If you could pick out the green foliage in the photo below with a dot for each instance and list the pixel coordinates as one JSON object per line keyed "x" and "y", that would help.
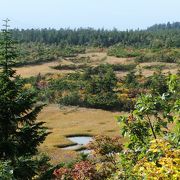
{"x": 70, "y": 67}
{"x": 161, "y": 37}
{"x": 17, "y": 118}
{"x": 150, "y": 120}
{"x": 7, "y": 53}
{"x": 32, "y": 167}
{"x": 6, "y": 170}
{"x": 123, "y": 67}
{"x": 123, "y": 52}
{"x": 158, "y": 83}
{"x": 20, "y": 134}
{"x": 73, "y": 99}
{"x": 37, "y": 53}
{"x": 105, "y": 147}
{"x": 154, "y": 67}
{"x": 131, "y": 79}
{"x": 93, "y": 88}
{"x": 100, "y": 88}
{"x": 160, "y": 55}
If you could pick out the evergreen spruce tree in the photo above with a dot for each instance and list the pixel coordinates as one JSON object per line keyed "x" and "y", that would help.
{"x": 20, "y": 133}
{"x": 100, "y": 88}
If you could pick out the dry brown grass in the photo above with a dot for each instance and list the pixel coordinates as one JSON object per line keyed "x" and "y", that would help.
{"x": 74, "y": 121}
{"x": 96, "y": 58}
{"x": 116, "y": 60}
{"x": 102, "y": 57}
{"x": 167, "y": 67}
{"x": 33, "y": 70}
{"x": 147, "y": 72}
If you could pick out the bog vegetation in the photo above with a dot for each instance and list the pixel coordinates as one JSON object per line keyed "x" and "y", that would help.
{"x": 149, "y": 140}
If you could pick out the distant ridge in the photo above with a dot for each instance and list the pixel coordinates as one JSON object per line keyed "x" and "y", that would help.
{"x": 168, "y": 26}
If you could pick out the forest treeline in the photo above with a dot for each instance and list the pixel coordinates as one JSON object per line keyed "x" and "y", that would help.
{"x": 158, "y": 36}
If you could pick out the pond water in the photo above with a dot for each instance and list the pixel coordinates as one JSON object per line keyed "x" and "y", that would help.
{"x": 80, "y": 142}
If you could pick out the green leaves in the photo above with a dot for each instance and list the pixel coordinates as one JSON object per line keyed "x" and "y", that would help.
{"x": 6, "y": 171}
{"x": 20, "y": 134}
{"x": 29, "y": 137}
{"x": 150, "y": 138}
{"x": 7, "y": 51}
{"x": 147, "y": 104}
{"x": 152, "y": 116}
{"x": 173, "y": 83}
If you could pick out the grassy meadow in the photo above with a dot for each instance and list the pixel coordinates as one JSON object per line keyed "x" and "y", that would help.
{"x": 94, "y": 59}
{"x": 82, "y": 121}
{"x": 74, "y": 121}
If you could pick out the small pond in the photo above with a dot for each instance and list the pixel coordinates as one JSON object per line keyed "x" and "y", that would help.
{"x": 80, "y": 141}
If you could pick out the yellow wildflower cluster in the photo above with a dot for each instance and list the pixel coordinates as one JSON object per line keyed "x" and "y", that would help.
{"x": 167, "y": 166}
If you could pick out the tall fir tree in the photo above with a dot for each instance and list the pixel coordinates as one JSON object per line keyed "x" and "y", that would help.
{"x": 20, "y": 133}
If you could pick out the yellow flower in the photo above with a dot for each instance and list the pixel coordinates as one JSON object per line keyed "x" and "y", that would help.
{"x": 27, "y": 86}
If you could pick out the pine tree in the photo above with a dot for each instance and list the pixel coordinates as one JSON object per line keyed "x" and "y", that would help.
{"x": 20, "y": 133}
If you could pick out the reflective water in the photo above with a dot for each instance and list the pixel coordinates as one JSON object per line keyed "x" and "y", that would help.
{"x": 80, "y": 141}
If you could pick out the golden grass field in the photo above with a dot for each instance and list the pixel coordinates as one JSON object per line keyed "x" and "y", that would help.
{"x": 34, "y": 70}
{"x": 96, "y": 58}
{"x": 74, "y": 121}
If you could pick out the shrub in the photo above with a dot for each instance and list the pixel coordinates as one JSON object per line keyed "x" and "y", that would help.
{"x": 123, "y": 52}
{"x": 123, "y": 67}
{"x": 161, "y": 55}
{"x": 72, "y": 99}
{"x": 79, "y": 171}
{"x": 152, "y": 149}
{"x": 70, "y": 67}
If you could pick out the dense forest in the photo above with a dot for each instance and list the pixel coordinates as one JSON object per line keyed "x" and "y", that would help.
{"x": 163, "y": 35}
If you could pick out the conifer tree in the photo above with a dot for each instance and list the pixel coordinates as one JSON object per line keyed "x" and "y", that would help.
{"x": 20, "y": 133}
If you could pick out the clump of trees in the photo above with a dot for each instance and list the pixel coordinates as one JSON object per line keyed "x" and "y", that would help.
{"x": 20, "y": 132}
{"x": 36, "y": 53}
{"x": 124, "y": 52}
{"x": 155, "y": 36}
{"x": 160, "y": 55}
{"x": 141, "y": 55}
{"x": 94, "y": 88}
{"x": 100, "y": 88}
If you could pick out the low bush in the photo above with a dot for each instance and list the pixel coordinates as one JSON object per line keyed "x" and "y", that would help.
{"x": 72, "y": 99}
{"x": 70, "y": 67}
{"x": 123, "y": 52}
{"x": 154, "y": 67}
{"x": 123, "y": 67}
{"x": 161, "y": 55}
{"x": 37, "y": 53}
